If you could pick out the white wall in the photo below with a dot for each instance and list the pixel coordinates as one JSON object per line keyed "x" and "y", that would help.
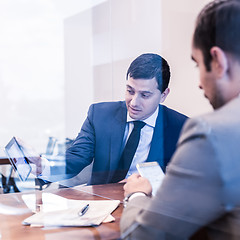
{"x": 78, "y": 70}
{"x": 178, "y": 25}
{"x": 57, "y": 57}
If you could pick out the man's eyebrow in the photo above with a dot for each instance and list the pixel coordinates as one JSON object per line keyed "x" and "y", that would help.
{"x": 149, "y": 92}
{"x": 142, "y": 92}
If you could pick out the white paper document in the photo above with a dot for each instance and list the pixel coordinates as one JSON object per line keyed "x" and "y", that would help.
{"x": 97, "y": 212}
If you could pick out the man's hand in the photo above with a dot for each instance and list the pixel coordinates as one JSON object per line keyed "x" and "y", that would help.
{"x": 36, "y": 161}
{"x": 136, "y": 183}
{"x": 37, "y": 164}
{"x": 123, "y": 181}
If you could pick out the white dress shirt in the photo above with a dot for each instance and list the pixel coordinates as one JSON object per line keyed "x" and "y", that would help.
{"x": 144, "y": 145}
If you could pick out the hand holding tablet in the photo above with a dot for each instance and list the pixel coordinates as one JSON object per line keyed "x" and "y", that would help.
{"x": 23, "y": 158}
{"x": 153, "y": 172}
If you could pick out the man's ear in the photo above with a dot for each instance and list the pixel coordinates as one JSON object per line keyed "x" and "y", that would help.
{"x": 219, "y": 61}
{"x": 164, "y": 95}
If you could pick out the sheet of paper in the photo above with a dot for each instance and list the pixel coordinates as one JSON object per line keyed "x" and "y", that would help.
{"x": 49, "y": 202}
{"x": 98, "y": 211}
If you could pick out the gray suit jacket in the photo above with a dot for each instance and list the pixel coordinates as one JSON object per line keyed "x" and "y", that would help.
{"x": 101, "y": 140}
{"x": 201, "y": 190}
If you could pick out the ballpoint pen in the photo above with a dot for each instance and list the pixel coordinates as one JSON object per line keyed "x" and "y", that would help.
{"x": 83, "y": 210}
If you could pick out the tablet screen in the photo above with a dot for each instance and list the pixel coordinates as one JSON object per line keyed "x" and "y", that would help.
{"x": 18, "y": 159}
{"x": 153, "y": 172}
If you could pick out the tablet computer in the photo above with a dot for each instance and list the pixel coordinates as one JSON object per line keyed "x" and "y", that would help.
{"x": 18, "y": 159}
{"x": 153, "y": 172}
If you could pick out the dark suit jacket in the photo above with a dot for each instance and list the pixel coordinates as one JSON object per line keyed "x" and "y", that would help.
{"x": 101, "y": 140}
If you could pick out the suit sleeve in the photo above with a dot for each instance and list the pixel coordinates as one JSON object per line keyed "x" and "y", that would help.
{"x": 190, "y": 195}
{"x": 81, "y": 152}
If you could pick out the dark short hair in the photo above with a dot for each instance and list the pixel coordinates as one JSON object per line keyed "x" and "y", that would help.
{"x": 218, "y": 24}
{"x": 148, "y": 66}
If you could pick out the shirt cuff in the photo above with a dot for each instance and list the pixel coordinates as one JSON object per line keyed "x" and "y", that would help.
{"x": 136, "y": 194}
{"x": 131, "y": 196}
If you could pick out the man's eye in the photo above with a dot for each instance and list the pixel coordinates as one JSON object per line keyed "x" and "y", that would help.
{"x": 130, "y": 91}
{"x": 145, "y": 95}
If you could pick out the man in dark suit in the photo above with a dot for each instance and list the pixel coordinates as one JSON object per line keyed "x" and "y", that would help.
{"x": 108, "y": 125}
{"x": 200, "y": 195}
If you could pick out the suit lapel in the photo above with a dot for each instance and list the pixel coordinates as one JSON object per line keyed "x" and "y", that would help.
{"x": 118, "y": 128}
{"x": 157, "y": 146}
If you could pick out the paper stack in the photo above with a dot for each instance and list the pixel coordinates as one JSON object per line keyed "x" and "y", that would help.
{"x": 68, "y": 213}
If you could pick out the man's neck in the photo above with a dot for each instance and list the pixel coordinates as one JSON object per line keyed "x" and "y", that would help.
{"x": 151, "y": 120}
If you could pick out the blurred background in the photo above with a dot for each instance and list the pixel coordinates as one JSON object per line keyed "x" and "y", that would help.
{"x": 59, "y": 56}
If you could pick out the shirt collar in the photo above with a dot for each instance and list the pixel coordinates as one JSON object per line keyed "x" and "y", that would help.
{"x": 151, "y": 121}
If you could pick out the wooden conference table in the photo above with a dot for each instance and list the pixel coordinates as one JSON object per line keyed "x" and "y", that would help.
{"x": 13, "y": 211}
{"x": 4, "y": 160}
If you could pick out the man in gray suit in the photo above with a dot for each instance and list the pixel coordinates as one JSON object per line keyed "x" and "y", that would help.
{"x": 200, "y": 195}
{"x": 108, "y": 125}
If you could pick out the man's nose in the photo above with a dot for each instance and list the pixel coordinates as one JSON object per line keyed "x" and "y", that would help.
{"x": 135, "y": 100}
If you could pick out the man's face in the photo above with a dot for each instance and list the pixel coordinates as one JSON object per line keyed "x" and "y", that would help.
{"x": 208, "y": 81}
{"x": 142, "y": 97}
